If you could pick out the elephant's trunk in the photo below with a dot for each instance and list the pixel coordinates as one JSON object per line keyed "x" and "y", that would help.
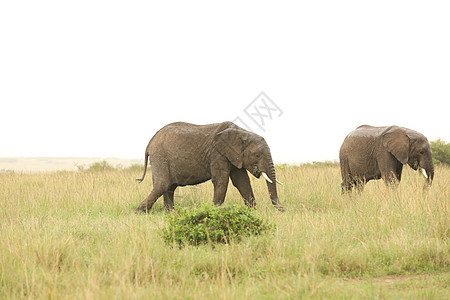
{"x": 428, "y": 170}
{"x": 430, "y": 175}
{"x": 272, "y": 186}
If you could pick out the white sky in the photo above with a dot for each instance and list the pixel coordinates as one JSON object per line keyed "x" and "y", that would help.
{"x": 99, "y": 78}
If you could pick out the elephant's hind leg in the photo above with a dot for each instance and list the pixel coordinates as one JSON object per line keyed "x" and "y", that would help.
{"x": 346, "y": 185}
{"x": 352, "y": 182}
{"x": 359, "y": 185}
{"x": 147, "y": 204}
{"x": 160, "y": 186}
{"x": 168, "y": 199}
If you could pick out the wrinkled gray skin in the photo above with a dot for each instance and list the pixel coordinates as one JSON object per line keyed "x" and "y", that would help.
{"x": 380, "y": 152}
{"x": 187, "y": 154}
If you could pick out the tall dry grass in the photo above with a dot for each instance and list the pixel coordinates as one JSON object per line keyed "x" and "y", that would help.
{"x": 75, "y": 235}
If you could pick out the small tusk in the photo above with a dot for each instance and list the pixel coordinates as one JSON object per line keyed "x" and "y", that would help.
{"x": 279, "y": 182}
{"x": 424, "y": 173}
{"x": 266, "y": 177}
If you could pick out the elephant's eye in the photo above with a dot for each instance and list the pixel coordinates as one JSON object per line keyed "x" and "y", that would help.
{"x": 422, "y": 152}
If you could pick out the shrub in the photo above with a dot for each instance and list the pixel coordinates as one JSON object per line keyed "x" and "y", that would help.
{"x": 135, "y": 168}
{"x": 441, "y": 152}
{"x": 320, "y": 164}
{"x": 101, "y": 166}
{"x": 211, "y": 224}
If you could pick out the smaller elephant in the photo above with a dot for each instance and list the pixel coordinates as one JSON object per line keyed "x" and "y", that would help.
{"x": 380, "y": 152}
{"x": 187, "y": 154}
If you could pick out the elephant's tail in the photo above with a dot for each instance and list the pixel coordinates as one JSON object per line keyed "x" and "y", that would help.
{"x": 145, "y": 168}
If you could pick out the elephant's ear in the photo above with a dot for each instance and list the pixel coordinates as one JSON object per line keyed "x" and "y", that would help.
{"x": 397, "y": 142}
{"x": 229, "y": 143}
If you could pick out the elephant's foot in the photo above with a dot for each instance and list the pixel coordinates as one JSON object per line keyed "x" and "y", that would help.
{"x": 141, "y": 211}
{"x": 169, "y": 209}
{"x": 250, "y": 204}
{"x": 280, "y": 207}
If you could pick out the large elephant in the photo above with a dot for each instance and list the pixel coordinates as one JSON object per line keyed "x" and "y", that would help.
{"x": 187, "y": 154}
{"x": 380, "y": 152}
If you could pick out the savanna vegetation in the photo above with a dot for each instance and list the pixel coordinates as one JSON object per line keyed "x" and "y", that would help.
{"x": 66, "y": 235}
{"x": 441, "y": 152}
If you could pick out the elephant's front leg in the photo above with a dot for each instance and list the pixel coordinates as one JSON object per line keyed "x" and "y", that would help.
{"x": 240, "y": 180}
{"x": 391, "y": 172}
{"x": 220, "y": 176}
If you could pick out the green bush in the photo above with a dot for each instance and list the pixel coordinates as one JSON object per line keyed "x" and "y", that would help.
{"x": 213, "y": 225}
{"x": 320, "y": 164}
{"x": 106, "y": 166}
{"x": 441, "y": 152}
{"x": 101, "y": 166}
{"x": 136, "y": 168}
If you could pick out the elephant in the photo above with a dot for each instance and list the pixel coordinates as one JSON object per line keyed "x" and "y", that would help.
{"x": 380, "y": 152}
{"x": 183, "y": 154}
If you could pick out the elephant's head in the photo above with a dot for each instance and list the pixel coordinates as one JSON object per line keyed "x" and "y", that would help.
{"x": 248, "y": 150}
{"x": 411, "y": 147}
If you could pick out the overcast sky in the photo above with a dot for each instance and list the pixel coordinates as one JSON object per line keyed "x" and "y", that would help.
{"x": 99, "y": 78}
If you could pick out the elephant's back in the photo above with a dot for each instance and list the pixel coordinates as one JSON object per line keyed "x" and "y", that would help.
{"x": 367, "y": 131}
{"x": 193, "y": 129}
{"x": 360, "y": 140}
{"x": 183, "y": 139}
{"x": 178, "y": 133}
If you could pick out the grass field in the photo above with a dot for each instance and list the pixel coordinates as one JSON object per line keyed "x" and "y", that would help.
{"x": 75, "y": 235}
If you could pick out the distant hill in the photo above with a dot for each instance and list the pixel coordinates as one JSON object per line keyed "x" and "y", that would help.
{"x": 48, "y": 164}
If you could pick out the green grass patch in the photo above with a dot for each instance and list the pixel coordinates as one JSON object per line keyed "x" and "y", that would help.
{"x": 209, "y": 224}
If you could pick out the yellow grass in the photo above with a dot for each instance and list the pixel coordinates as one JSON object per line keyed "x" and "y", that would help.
{"x": 75, "y": 235}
